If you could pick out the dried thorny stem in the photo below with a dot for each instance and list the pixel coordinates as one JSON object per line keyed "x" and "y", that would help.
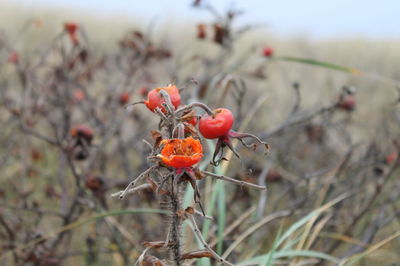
{"x": 170, "y": 178}
{"x": 131, "y": 190}
{"x": 234, "y": 181}
{"x": 131, "y": 186}
{"x": 197, "y": 232}
{"x": 175, "y": 233}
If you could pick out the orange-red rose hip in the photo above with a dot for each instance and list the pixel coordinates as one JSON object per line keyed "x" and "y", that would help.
{"x": 217, "y": 125}
{"x": 180, "y": 153}
{"x": 155, "y": 99}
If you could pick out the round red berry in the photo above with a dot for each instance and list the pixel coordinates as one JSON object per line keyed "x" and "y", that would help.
{"x": 124, "y": 98}
{"x": 217, "y": 125}
{"x": 347, "y": 103}
{"x": 82, "y": 131}
{"x": 268, "y": 51}
{"x": 155, "y": 99}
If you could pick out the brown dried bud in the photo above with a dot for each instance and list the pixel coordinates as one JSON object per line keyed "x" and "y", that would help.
{"x": 219, "y": 34}
{"x": 203, "y": 253}
{"x": 94, "y": 183}
{"x": 190, "y": 210}
{"x": 36, "y": 155}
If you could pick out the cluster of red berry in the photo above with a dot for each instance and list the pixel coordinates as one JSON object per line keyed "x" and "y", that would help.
{"x": 214, "y": 124}
{"x": 177, "y": 150}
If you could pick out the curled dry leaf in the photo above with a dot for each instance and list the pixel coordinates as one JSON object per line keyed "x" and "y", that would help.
{"x": 156, "y": 135}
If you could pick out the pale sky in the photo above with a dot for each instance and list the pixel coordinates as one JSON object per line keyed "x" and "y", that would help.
{"x": 316, "y": 18}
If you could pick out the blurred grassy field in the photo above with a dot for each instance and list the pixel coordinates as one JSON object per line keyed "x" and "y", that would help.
{"x": 378, "y": 60}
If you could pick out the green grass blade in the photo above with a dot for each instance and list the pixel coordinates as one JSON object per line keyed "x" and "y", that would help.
{"x": 317, "y": 63}
{"x": 297, "y": 225}
{"x": 310, "y": 216}
{"x": 269, "y": 258}
{"x": 305, "y": 253}
{"x": 221, "y": 215}
{"x": 291, "y": 254}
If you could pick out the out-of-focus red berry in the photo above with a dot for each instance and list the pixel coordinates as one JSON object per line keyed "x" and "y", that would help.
{"x": 124, "y": 98}
{"x": 94, "y": 183}
{"x": 143, "y": 91}
{"x": 268, "y": 51}
{"x": 82, "y": 131}
{"x": 347, "y": 103}
{"x": 218, "y": 125}
{"x": 79, "y": 95}
{"x": 38, "y": 23}
{"x": 392, "y": 157}
{"x": 155, "y": 99}
{"x": 36, "y": 155}
{"x": 71, "y": 27}
{"x": 13, "y": 57}
{"x": 201, "y": 31}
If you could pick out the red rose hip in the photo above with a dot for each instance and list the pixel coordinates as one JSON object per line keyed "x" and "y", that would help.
{"x": 268, "y": 51}
{"x": 217, "y": 125}
{"x": 347, "y": 103}
{"x": 124, "y": 98}
{"x": 155, "y": 99}
{"x": 82, "y": 131}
